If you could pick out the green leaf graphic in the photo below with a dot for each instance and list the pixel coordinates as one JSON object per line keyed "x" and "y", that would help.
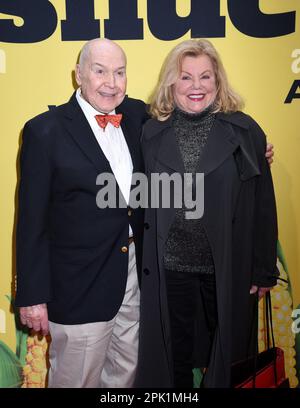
{"x": 10, "y": 368}
{"x": 21, "y": 334}
{"x": 197, "y": 377}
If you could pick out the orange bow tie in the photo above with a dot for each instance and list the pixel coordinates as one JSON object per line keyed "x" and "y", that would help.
{"x": 103, "y": 120}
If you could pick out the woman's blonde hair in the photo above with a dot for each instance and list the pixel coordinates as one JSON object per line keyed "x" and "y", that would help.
{"x": 162, "y": 100}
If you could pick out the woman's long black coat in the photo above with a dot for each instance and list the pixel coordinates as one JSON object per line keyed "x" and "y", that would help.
{"x": 241, "y": 226}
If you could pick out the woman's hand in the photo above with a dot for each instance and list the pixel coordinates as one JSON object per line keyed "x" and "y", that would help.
{"x": 261, "y": 291}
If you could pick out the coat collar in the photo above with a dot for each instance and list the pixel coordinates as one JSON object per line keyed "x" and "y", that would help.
{"x": 221, "y": 143}
{"x": 236, "y": 118}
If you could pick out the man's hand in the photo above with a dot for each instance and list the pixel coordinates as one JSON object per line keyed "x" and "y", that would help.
{"x": 261, "y": 291}
{"x": 35, "y": 317}
{"x": 270, "y": 153}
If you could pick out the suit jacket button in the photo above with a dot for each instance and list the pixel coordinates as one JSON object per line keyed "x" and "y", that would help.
{"x": 129, "y": 213}
{"x": 146, "y": 271}
{"x": 146, "y": 225}
{"x": 124, "y": 249}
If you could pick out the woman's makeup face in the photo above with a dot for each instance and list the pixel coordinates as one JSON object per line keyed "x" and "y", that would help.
{"x": 195, "y": 88}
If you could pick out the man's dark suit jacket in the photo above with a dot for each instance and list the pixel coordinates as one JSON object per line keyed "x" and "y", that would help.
{"x": 69, "y": 252}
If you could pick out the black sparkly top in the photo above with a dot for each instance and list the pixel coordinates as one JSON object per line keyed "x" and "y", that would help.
{"x": 187, "y": 248}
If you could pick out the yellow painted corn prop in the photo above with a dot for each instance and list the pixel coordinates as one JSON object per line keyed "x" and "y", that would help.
{"x": 282, "y": 307}
{"x": 35, "y": 369}
{"x": 11, "y": 372}
{"x": 26, "y": 367}
{"x": 10, "y": 368}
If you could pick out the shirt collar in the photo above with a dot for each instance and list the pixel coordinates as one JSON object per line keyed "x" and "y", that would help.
{"x": 87, "y": 108}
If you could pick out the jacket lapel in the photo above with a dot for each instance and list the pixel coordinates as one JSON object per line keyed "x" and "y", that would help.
{"x": 132, "y": 142}
{"x": 167, "y": 154}
{"x": 221, "y": 143}
{"x": 79, "y": 129}
{"x": 233, "y": 140}
{"x": 167, "y": 158}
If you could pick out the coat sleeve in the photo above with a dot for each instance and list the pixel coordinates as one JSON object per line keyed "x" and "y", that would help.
{"x": 265, "y": 272}
{"x": 33, "y": 284}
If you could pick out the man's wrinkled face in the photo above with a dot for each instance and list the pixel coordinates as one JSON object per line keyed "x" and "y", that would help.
{"x": 102, "y": 77}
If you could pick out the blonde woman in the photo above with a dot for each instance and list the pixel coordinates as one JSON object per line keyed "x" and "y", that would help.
{"x": 200, "y": 275}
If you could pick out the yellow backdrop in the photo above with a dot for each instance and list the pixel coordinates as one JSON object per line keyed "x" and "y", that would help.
{"x": 35, "y": 75}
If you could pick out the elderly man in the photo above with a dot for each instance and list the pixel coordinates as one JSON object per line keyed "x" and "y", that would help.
{"x": 78, "y": 264}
